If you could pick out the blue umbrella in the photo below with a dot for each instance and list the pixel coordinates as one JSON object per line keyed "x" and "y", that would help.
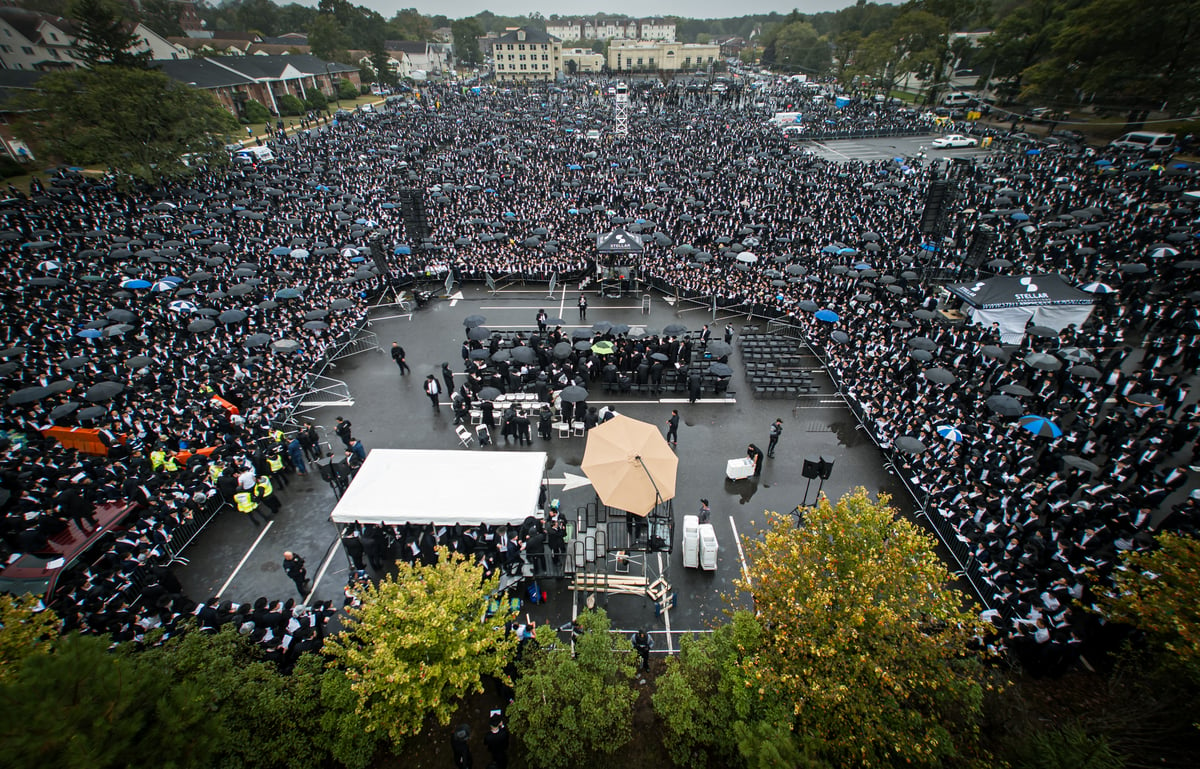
{"x": 1033, "y": 152}
{"x": 1020, "y": 216}
{"x": 1103, "y": 162}
{"x": 135, "y": 283}
{"x": 829, "y": 316}
{"x": 950, "y": 433}
{"x": 929, "y": 247}
{"x": 402, "y": 250}
{"x": 862, "y": 266}
{"x": 90, "y": 333}
{"x": 830, "y": 249}
{"x": 171, "y": 279}
{"x": 280, "y": 251}
{"x": 180, "y": 305}
{"x": 163, "y": 285}
{"x": 1040, "y": 426}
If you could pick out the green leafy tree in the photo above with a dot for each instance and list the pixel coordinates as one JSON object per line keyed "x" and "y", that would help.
{"x": 290, "y": 105}
{"x": 1115, "y": 52}
{"x": 316, "y": 100}
{"x": 702, "y": 696}
{"x": 84, "y": 707}
{"x": 25, "y": 629}
{"x": 418, "y": 643}
{"x": 326, "y": 37}
{"x": 864, "y": 638}
{"x": 1022, "y": 37}
{"x": 1155, "y": 591}
{"x": 799, "y": 47}
{"x": 137, "y": 123}
{"x": 104, "y": 36}
{"x": 568, "y": 709}
{"x": 346, "y": 89}
{"x": 466, "y": 40}
{"x": 162, "y": 16}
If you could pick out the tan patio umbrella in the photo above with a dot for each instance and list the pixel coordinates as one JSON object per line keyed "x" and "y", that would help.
{"x": 627, "y": 461}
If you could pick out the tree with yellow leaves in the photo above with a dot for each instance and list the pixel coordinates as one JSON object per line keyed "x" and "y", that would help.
{"x": 1155, "y": 591}
{"x": 26, "y": 628}
{"x": 419, "y": 642}
{"x": 864, "y": 638}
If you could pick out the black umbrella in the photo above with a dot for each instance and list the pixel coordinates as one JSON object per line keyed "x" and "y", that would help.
{"x": 583, "y": 345}
{"x": 523, "y": 354}
{"x": 601, "y": 326}
{"x": 480, "y": 354}
{"x": 28, "y": 395}
{"x": 316, "y": 314}
{"x": 1043, "y": 362}
{"x": 996, "y": 353}
{"x": 675, "y": 329}
{"x": 471, "y": 321}
{"x": 581, "y": 334}
{"x": 659, "y": 356}
{"x": 478, "y": 333}
{"x": 562, "y": 350}
{"x": 91, "y": 412}
{"x": 489, "y": 394}
{"x": 1044, "y": 331}
{"x": 502, "y": 355}
{"x": 70, "y": 364}
{"x": 64, "y": 410}
{"x": 922, "y": 355}
{"x": 922, "y": 343}
{"x": 574, "y": 394}
{"x": 841, "y": 337}
{"x": 909, "y": 445}
{"x": 1145, "y": 399}
{"x": 902, "y": 324}
{"x": 1016, "y": 389}
{"x": 201, "y": 325}
{"x": 285, "y": 345}
{"x": 719, "y": 349}
{"x": 230, "y": 317}
{"x": 720, "y": 369}
{"x": 940, "y": 376}
{"x": 256, "y": 340}
{"x": 924, "y": 314}
{"x": 11, "y": 352}
{"x": 98, "y": 393}
{"x": 139, "y": 361}
{"x": 1079, "y": 463}
{"x": 316, "y": 325}
{"x": 1084, "y": 371}
{"x": 1005, "y": 406}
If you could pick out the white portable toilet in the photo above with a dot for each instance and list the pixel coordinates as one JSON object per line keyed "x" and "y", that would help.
{"x": 708, "y": 547}
{"x": 691, "y": 541}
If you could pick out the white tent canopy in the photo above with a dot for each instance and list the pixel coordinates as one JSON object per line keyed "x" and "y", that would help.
{"x": 443, "y": 487}
{"x": 1014, "y": 302}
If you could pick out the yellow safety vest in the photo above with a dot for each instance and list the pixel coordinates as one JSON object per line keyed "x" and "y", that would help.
{"x": 157, "y": 457}
{"x": 171, "y": 466}
{"x": 275, "y": 464}
{"x": 245, "y": 502}
{"x": 215, "y": 472}
{"x": 278, "y": 436}
{"x": 264, "y": 488}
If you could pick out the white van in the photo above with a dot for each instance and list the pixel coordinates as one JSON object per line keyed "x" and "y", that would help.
{"x": 1144, "y": 141}
{"x": 257, "y": 154}
{"x": 957, "y": 99}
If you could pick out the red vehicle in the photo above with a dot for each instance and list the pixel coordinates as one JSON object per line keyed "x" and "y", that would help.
{"x": 38, "y": 573}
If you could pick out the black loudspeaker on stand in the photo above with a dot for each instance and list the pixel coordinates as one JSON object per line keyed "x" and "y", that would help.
{"x": 412, "y": 209}
{"x": 814, "y": 467}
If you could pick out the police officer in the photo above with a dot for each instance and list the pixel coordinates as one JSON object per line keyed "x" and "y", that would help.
{"x": 277, "y": 470}
{"x": 246, "y": 504}
{"x": 264, "y": 493}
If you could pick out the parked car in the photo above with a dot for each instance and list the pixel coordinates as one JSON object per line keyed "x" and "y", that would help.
{"x": 950, "y": 141}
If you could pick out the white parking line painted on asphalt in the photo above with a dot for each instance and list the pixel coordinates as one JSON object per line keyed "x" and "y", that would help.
{"x": 321, "y": 573}
{"x": 741, "y": 553}
{"x": 245, "y": 557}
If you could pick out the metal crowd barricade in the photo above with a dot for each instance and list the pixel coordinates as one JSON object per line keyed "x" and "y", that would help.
{"x": 186, "y": 532}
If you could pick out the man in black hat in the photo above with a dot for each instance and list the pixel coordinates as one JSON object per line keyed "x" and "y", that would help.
{"x": 460, "y": 746}
{"x": 642, "y": 644}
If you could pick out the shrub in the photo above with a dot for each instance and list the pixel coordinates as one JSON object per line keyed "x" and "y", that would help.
{"x": 256, "y": 113}
{"x": 290, "y": 105}
{"x": 316, "y": 100}
{"x": 346, "y": 90}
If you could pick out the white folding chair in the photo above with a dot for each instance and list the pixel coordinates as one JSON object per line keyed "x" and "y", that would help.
{"x": 464, "y": 436}
{"x": 476, "y": 416}
{"x": 580, "y": 429}
{"x": 564, "y": 429}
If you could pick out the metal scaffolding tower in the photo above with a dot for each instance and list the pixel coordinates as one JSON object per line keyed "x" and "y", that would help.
{"x": 621, "y": 110}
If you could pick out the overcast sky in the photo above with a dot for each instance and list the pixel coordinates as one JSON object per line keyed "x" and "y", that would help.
{"x": 695, "y": 9}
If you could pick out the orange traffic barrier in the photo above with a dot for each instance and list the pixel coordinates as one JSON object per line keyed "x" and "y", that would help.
{"x": 232, "y": 409}
{"x": 184, "y": 456}
{"x": 83, "y": 439}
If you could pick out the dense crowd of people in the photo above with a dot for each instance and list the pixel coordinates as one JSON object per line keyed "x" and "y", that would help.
{"x": 238, "y": 281}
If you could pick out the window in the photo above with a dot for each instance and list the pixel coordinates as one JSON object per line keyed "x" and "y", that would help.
{"x": 522, "y": 66}
{"x": 54, "y": 53}
{"x": 521, "y": 47}
{"x": 27, "y": 50}
{"x": 6, "y": 48}
{"x": 545, "y": 57}
{"x": 54, "y": 37}
{"x": 652, "y": 63}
